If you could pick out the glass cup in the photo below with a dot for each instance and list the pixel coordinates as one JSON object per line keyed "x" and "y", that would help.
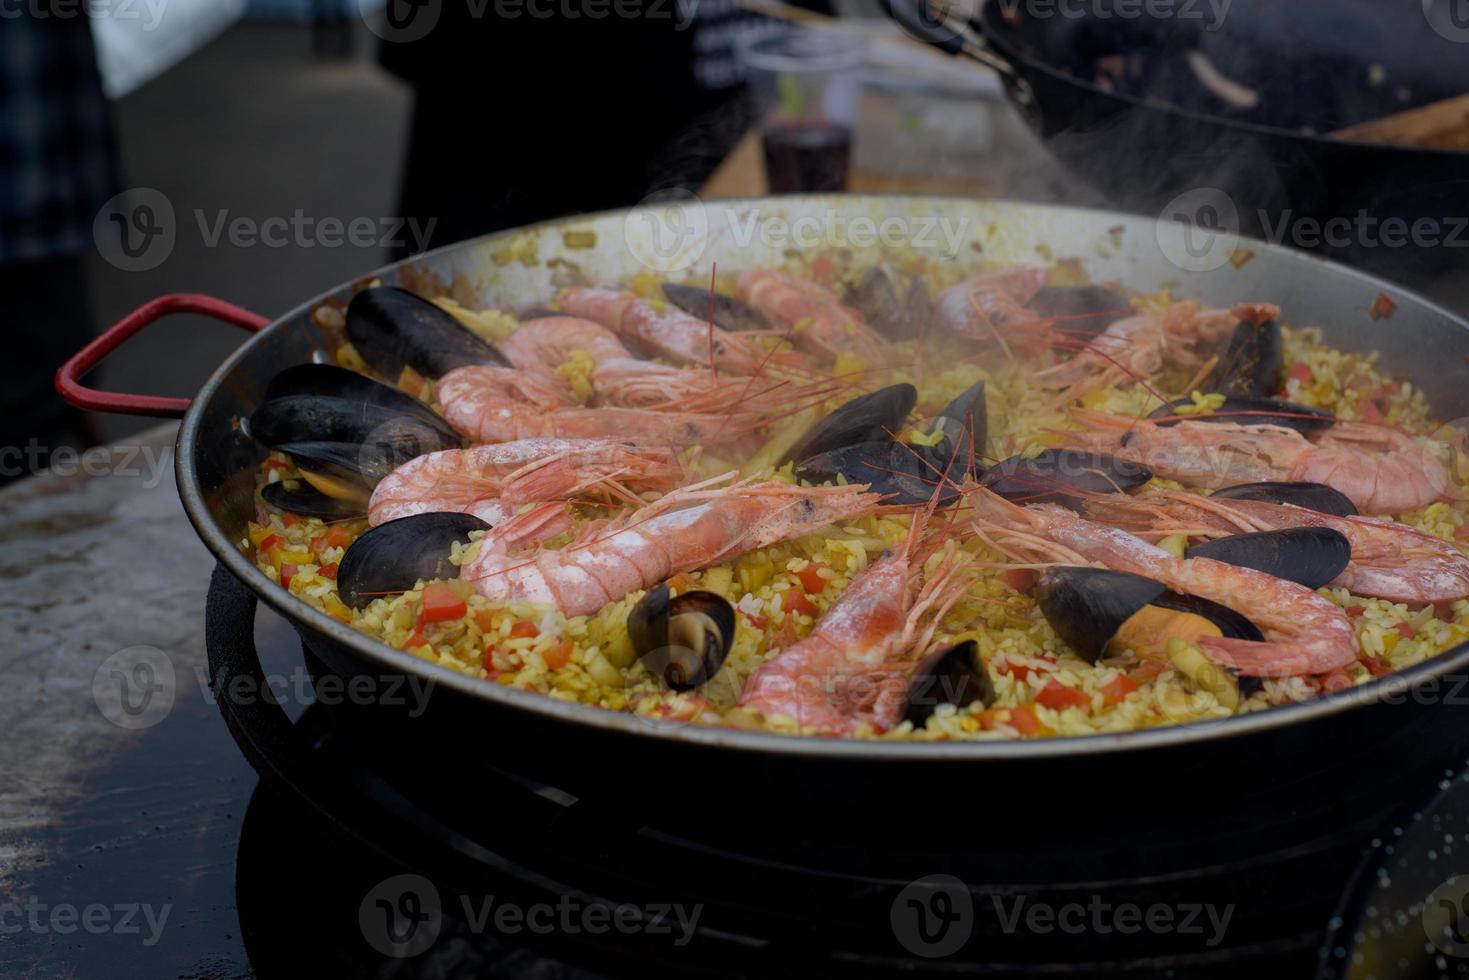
{"x": 805, "y": 85}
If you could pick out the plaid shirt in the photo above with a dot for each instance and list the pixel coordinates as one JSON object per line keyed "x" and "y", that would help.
{"x": 57, "y": 163}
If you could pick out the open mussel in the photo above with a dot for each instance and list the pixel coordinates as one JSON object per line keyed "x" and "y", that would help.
{"x": 1094, "y": 609}
{"x": 874, "y": 417}
{"x": 396, "y": 555}
{"x": 1309, "y": 556}
{"x": 683, "y": 639}
{"x": 729, "y": 313}
{"x": 392, "y": 328}
{"x": 1078, "y": 312}
{"x": 953, "y": 675}
{"x": 1312, "y": 496}
{"x": 299, "y": 497}
{"x": 898, "y": 307}
{"x": 1250, "y": 365}
{"x": 1061, "y": 476}
{"x": 1252, "y": 411}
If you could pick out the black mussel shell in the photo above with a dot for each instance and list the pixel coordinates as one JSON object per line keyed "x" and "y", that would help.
{"x": 905, "y": 475}
{"x": 1080, "y": 310}
{"x": 1251, "y": 363}
{"x": 1310, "y": 556}
{"x": 1087, "y": 606}
{"x": 331, "y": 381}
{"x": 394, "y": 556}
{"x": 323, "y": 418}
{"x": 1049, "y": 476}
{"x": 955, "y": 675}
{"x": 299, "y": 497}
{"x": 874, "y": 417}
{"x": 964, "y": 423}
{"x": 898, "y": 309}
{"x": 1312, "y": 496}
{"x": 1253, "y": 411}
{"x": 729, "y": 313}
{"x": 683, "y": 639}
{"x": 392, "y": 328}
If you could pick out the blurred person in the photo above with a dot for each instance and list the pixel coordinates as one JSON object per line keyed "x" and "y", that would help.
{"x": 57, "y": 169}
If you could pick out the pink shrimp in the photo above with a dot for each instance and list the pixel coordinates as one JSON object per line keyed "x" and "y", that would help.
{"x": 494, "y": 404}
{"x": 1389, "y": 560}
{"x": 513, "y": 474}
{"x": 670, "y": 333}
{"x": 690, "y": 528}
{"x": 991, "y": 307}
{"x": 851, "y": 671}
{"x": 1380, "y": 469}
{"x": 1305, "y": 633}
{"x": 818, "y": 320}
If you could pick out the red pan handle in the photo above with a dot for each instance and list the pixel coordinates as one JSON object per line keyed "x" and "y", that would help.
{"x": 84, "y": 360}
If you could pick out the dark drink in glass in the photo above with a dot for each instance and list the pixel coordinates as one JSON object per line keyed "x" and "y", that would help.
{"x": 806, "y": 156}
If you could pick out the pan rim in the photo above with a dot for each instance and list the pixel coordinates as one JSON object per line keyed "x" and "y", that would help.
{"x": 1399, "y": 684}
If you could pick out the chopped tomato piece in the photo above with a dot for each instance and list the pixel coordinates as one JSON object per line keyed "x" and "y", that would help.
{"x": 1337, "y": 680}
{"x": 317, "y": 545}
{"x": 484, "y": 619}
{"x": 794, "y": 601}
{"x": 1301, "y": 372}
{"x": 1355, "y": 611}
{"x": 328, "y": 571}
{"x": 1059, "y": 697}
{"x": 440, "y": 603}
{"x": 1405, "y": 630}
{"x": 338, "y": 536}
{"x": 1375, "y": 666}
{"x": 1023, "y": 671}
{"x": 289, "y": 519}
{"x": 288, "y": 572}
{"x": 268, "y": 542}
{"x": 759, "y": 622}
{"x": 1022, "y": 719}
{"x": 1019, "y": 579}
{"x": 525, "y": 629}
{"x": 811, "y": 579}
{"x": 1118, "y": 688}
{"x": 557, "y": 656}
{"x": 1381, "y": 307}
{"x": 417, "y": 639}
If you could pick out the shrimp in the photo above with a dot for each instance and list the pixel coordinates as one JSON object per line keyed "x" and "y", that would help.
{"x": 818, "y": 321}
{"x": 851, "y": 671}
{"x": 513, "y": 474}
{"x": 669, "y": 333}
{"x": 1381, "y": 470}
{"x": 992, "y": 307}
{"x": 494, "y": 404}
{"x": 1389, "y": 560}
{"x": 1305, "y": 633}
{"x": 543, "y": 345}
{"x": 693, "y": 527}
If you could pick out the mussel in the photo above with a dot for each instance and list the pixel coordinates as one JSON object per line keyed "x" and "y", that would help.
{"x": 392, "y": 328}
{"x": 896, "y": 306}
{"x": 1079, "y": 311}
{"x": 729, "y": 313}
{"x": 954, "y": 675}
{"x": 396, "y": 555}
{"x": 1251, "y": 362}
{"x": 1062, "y": 475}
{"x": 873, "y": 417}
{"x": 1252, "y": 411}
{"x": 1090, "y": 608}
{"x": 299, "y": 497}
{"x": 1312, "y": 496}
{"x": 344, "y": 431}
{"x": 683, "y": 639}
{"x": 1310, "y": 556}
